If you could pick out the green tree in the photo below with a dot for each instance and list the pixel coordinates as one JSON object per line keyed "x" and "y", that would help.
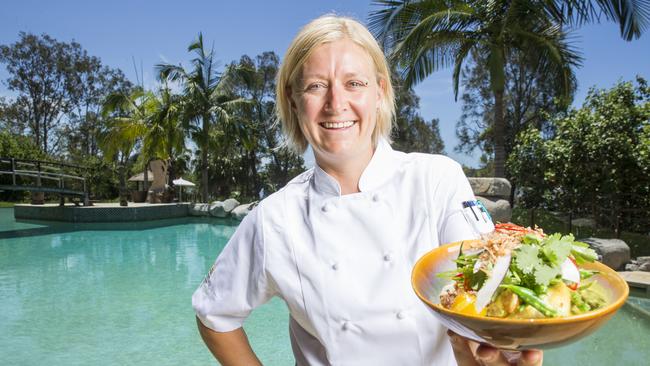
{"x": 164, "y": 136}
{"x": 411, "y": 132}
{"x": 529, "y": 100}
{"x": 268, "y": 164}
{"x": 42, "y": 71}
{"x": 596, "y": 160}
{"x": 84, "y": 121}
{"x": 424, "y": 36}
{"x": 17, "y": 147}
{"x": 13, "y": 116}
{"x": 208, "y": 100}
{"x": 127, "y": 124}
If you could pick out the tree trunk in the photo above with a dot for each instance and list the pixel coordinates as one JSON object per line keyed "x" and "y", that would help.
{"x": 204, "y": 158}
{"x": 123, "y": 201}
{"x": 171, "y": 174}
{"x": 145, "y": 184}
{"x": 498, "y": 131}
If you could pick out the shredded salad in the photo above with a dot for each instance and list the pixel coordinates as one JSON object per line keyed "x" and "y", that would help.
{"x": 517, "y": 272}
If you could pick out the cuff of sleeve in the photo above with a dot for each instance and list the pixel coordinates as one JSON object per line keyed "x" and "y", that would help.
{"x": 221, "y": 323}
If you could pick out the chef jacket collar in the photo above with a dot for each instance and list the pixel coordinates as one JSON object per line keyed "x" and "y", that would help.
{"x": 380, "y": 168}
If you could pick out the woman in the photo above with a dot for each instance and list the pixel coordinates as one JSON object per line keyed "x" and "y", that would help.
{"x": 337, "y": 244}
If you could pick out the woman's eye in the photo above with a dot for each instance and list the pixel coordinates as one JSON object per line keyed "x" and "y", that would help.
{"x": 316, "y": 87}
{"x": 357, "y": 84}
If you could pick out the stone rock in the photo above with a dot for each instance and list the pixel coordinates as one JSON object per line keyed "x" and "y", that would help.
{"x": 631, "y": 267}
{"x": 490, "y": 187}
{"x": 643, "y": 259}
{"x": 242, "y": 210}
{"x": 217, "y": 209}
{"x": 499, "y": 209}
{"x": 230, "y": 204}
{"x": 614, "y": 252}
{"x": 645, "y": 267}
{"x": 583, "y": 222}
{"x": 199, "y": 209}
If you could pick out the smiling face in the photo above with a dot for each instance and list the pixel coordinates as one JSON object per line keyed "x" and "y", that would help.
{"x": 336, "y": 102}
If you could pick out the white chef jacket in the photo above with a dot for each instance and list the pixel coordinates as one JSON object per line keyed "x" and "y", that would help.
{"x": 342, "y": 263}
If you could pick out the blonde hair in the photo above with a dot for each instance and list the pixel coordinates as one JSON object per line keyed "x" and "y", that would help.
{"x": 325, "y": 29}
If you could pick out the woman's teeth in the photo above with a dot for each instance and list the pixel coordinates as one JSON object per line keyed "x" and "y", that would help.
{"x": 337, "y": 124}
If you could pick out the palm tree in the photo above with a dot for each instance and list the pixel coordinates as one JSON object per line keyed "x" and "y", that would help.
{"x": 207, "y": 99}
{"x": 127, "y": 121}
{"x": 165, "y": 135}
{"x": 424, "y": 36}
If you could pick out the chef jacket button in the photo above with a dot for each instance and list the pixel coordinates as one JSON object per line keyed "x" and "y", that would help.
{"x": 401, "y": 315}
{"x": 375, "y": 197}
{"x": 388, "y": 257}
{"x": 326, "y": 207}
{"x": 345, "y": 325}
{"x": 335, "y": 266}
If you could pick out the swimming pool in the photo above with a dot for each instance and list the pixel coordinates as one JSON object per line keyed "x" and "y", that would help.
{"x": 120, "y": 294}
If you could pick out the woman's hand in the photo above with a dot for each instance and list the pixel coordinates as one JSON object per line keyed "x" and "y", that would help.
{"x": 470, "y": 353}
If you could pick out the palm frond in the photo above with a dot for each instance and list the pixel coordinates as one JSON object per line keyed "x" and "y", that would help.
{"x": 633, "y": 16}
{"x": 461, "y": 55}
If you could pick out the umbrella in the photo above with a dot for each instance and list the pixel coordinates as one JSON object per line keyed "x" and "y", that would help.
{"x": 182, "y": 183}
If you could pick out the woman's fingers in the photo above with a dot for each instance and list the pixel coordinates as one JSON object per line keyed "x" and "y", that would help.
{"x": 531, "y": 358}
{"x": 490, "y": 356}
{"x": 462, "y": 351}
{"x": 470, "y": 353}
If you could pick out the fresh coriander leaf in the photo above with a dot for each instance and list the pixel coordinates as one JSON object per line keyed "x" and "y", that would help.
{"x": 556, "y": 249}
{"x": 544, "y": 274}
{"x": 527, "y": 259}
{"x": 530, "y": 239}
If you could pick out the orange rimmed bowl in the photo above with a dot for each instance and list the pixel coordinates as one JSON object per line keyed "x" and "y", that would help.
{"x": 513, "y": 334}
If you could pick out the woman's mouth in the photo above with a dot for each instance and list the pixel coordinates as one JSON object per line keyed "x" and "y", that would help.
{"x": 337, "y": 125}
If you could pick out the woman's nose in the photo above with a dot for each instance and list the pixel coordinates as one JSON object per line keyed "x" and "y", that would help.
{"x": 336, "y": 99}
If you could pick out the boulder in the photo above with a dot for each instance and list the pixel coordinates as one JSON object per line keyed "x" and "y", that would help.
{"x": 230, "y": 204}
{"x": 631, "y": 267}
{"x": 199, "y": 209}
{"x": 241, "y": 211}
{"x": 613, "y": 252}
{"x": 645, "y": 267}
{"x": 642, "y": 259}
{"x": 217, "y": 209}
{"x": 499, "y": 209}
{"x": 490, "y": 187}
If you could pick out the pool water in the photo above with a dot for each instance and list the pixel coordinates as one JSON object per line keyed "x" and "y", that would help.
{"x": 79, "y": 295}
{"x": 120, "y": 294}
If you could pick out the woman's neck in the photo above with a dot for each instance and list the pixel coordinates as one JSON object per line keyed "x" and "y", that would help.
{"x": 347, "y": 172}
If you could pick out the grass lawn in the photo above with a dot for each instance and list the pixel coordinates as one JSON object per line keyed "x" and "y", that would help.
{"x": 6, "y": 204}
{"x": 639, "y": 243}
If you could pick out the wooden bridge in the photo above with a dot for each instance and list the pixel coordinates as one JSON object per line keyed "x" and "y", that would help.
{"x": 43, "y": 176}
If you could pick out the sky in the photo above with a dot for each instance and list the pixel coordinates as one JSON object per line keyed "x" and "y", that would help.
{"x": 149, "y": 32}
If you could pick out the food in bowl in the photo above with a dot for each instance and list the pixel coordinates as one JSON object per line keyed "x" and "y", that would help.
{"x": 522, "y": 273}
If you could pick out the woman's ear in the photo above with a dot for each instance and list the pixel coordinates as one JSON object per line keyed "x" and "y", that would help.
{"x": 381, "y": 90}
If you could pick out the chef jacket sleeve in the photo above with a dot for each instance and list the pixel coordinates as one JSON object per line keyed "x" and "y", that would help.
{"x": 237, "y": 282}
{"x": 453, "y": 225}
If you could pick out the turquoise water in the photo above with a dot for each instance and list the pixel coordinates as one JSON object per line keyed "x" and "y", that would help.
{"x": 79, "y": 295}
{"x": 120, "y": 294}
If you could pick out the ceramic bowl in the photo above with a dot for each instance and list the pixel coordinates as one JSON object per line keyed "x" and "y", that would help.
{"x": 513, "y": 334}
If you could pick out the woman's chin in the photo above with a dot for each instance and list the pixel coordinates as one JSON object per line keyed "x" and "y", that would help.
{"x": 342, "y": 151}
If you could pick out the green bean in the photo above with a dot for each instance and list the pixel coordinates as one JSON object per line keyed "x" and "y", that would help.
{"x": 585, "y": 273}
{"x": 582, "y": 253}
{"x": 532, "y": 299}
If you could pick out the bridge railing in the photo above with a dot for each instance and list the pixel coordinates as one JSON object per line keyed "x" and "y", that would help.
{"x": 38, "y": 171}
